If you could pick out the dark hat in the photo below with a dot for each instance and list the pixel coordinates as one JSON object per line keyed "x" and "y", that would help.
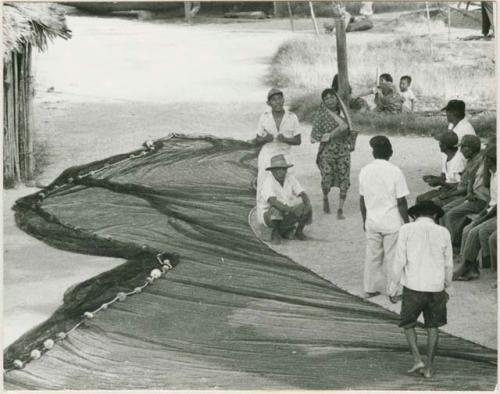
{"x": 491, "y": 151}
{"x": 449, "y": 138}
{"x": 273, "y": 92}
{"x": 278, "y": 161}
{"x": 425, "y": 207}
{"x": 472, "y": 141}
{"x": 380, "y": 141}
{"x": 455, "y": 105}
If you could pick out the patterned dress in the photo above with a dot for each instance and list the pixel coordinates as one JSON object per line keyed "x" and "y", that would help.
{"x": 334, "y": 156}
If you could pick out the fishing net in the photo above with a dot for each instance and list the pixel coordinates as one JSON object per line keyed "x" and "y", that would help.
{"x": 230, "y": 314}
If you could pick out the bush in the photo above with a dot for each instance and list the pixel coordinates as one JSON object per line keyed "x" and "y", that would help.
{"x": 460, "y": 69}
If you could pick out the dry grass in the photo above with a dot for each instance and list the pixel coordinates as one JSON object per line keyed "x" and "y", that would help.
{"x": 458, "y": 70}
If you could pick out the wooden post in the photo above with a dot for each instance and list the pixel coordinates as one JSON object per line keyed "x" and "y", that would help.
{"x": 313, "y": 17}
{"x": 15, "y": 91}
{"x": 449, "y": 23}
{"x": 343, "y": 72}
{"x": 30, "y": 92}
{"x": 291, "y": 15}
{"x": 429, "y": 25}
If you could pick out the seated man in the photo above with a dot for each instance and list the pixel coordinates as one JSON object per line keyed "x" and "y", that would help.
{"x": 457, "y": 211}
{"x": 470, "y": 147}
{"x": 453, "y": 166}
{"x": 283, "y": 204}
{"x": 475, "y": 237}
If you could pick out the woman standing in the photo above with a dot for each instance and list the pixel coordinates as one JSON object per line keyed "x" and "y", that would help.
{"x": 334, "y": 153}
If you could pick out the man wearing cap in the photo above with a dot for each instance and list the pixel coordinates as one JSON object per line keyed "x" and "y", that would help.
{"x": 383, "y": 191}
{"x": 283, "y": 205}
{"x": 470, "y": 147}
{"x": 457, "y": 211}
{"x": 424, "y": 267}
{"x": 278, "y": 129}
{"x": 453, "y": 165}
{"x": 475, "y": 236}
{"x": 455, "y": 113}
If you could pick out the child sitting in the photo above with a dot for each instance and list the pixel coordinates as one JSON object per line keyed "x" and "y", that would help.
{"x": 407, "y": 93}
{"x": 387, "y": 99}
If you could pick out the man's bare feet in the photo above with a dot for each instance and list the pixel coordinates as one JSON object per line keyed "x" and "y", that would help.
{"x": 276, "y": 238}
{"x": 426, "y": 372}
{"x": 417, "y": 367}
{"x": 340, "y": 214}
{"x": 300, "y": 236}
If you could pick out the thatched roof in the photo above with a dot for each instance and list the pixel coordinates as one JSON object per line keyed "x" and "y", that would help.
{"x": 34, "y": 23}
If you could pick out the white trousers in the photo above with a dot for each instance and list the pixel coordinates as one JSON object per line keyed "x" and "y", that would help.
{"x": 379, "y": 261}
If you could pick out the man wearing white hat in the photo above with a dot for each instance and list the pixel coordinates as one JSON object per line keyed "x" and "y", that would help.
{"x": 283, "y": 205}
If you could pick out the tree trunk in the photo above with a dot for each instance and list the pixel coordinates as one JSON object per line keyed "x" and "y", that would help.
{"x": 343, "y": 73}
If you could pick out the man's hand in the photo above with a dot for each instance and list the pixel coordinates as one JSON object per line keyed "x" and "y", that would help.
{"x": 471, "y": 197}
{"x": 281, "y": 138}
{"x": 268, "y": 137}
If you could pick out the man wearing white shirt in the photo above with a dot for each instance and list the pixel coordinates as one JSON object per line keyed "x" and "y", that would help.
{"x": 475, "y": 236}
{"x": 455, "y": 113}
{"x": 424, "y": 267}
{"x": 383, "y": 205}
{"x": 453, "y": 165}
{"x": 283, "y": 205}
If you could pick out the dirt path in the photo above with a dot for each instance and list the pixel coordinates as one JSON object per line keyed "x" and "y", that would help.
{"x": 111, "y": 101}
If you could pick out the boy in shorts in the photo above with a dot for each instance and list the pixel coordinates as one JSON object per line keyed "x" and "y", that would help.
{"x": 424, "y": 267}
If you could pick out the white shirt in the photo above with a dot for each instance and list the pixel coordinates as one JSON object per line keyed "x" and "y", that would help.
{"x": 381, "y": 183}
{"x": 286, "y": 194}
{"x": 424, "y": 256}
{"x": 289, "y": 127}
{"x": 408, "y": 97}
{"x": 493, "y": 191}
{"x": 462, "y": 128}
{"x": 454, "y": 168}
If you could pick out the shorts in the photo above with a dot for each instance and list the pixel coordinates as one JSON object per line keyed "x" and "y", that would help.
{"x": 432, "y": 305}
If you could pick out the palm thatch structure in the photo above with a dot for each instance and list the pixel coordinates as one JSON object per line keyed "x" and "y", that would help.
{"x": 25, "y": 26}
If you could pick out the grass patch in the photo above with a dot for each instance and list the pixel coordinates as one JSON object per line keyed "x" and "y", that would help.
{"x": 456, "y": 70}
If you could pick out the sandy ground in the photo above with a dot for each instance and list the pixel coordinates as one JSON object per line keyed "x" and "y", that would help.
{"x": 160, "y": 78}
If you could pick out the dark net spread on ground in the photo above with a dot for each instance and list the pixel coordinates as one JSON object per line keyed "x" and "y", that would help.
{"x": 232, "y": 314}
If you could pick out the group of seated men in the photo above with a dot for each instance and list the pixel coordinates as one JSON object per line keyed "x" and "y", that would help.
{"x": 467, "y": 192}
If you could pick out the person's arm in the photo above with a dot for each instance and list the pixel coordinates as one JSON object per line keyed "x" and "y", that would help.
{"x": 294, "y": 127}
{"x": 485, "y": 215}
{"x": 295, "y": 140}
{"x": 263, "y": 139}
{"x": 362, "y": 208}
{"x": 403, "y": 209}
{"x": 262, "y": 136}
{"x": 273, "y": 202}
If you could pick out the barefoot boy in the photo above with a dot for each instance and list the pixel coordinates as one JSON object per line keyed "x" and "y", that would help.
{"x": 424, "y": 266}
